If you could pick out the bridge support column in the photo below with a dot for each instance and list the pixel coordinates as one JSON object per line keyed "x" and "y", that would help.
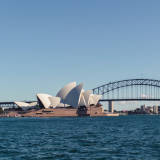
{"x": 110, "y": 106}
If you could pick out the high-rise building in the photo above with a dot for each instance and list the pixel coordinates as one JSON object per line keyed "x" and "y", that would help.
{"x": 143, "y": 108}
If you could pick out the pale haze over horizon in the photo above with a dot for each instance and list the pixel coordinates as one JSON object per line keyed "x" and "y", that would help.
{"x": 46, "y": 44}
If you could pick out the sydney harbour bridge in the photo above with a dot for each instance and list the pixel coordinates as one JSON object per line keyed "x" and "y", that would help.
{"x": 124, "y": 90}
{"x": 129, "y": 90}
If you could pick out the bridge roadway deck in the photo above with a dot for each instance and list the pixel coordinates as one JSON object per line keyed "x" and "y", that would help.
{"x": 141, "y": 99}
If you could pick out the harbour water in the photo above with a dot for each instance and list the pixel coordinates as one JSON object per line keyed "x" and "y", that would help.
{"x": 101, "y": 138}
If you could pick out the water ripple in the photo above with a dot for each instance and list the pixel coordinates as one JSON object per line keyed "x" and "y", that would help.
{"x": 101, "y": 138}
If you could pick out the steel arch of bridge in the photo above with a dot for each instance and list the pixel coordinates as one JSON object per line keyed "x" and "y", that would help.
{"x": 107, "y": 88}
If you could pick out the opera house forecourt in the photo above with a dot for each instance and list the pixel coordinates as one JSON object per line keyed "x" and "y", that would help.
{"x": 71, "y": 100}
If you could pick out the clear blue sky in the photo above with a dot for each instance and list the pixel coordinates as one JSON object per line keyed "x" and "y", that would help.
{"x": 46, "y": 44}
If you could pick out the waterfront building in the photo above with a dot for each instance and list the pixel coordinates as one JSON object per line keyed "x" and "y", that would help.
{"x": 143, "y": 108}
{"x": 155, "y": 109}
{"x": 71, "y": 95}
{"x": 150, "y": 108}
{"x": 158, "y": 109}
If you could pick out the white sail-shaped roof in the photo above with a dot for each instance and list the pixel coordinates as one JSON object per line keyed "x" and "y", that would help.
{"x": 94, "y": 99}
{"x": 48, "y": 100}
{"x": 44, "y": 99}
{"x": 54, "y": 101}
{"x": 82, "y": 99}
{"x": 65, "y": 90}
{"x": 33, "y": 104}
{"x": 73, "y": 97}
{"x": 87, "y": 96}
{"x": 22, "y": 104}
{"x": 25, "y": 105}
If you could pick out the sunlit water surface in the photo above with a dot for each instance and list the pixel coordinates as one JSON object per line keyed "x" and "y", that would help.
{"x": 119, "y": 138}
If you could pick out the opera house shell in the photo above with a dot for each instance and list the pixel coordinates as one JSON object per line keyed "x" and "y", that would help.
{"x": 47, "y": 101}
{"x": 65, "y": 90}
{"x": 71, "y": 95}
{"x": 26, "y": 106}
{"x": 75, "y": 96}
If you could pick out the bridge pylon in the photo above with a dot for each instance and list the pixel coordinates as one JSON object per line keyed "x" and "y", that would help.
{"x": 110, "y": 106}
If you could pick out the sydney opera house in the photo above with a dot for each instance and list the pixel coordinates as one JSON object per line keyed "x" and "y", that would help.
{"x": 69, "y": 99}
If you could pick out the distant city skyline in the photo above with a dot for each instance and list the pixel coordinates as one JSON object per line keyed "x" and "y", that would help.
{"x": 46, "y": 44}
